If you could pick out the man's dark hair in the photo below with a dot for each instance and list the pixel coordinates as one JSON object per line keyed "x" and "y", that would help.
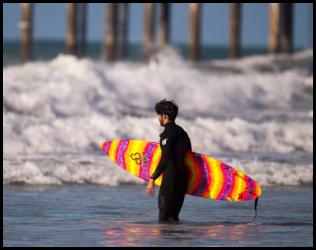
{"x": 168, "y": 108}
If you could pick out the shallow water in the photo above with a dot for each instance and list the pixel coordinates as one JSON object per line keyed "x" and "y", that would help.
{"x": 89, "y": 215}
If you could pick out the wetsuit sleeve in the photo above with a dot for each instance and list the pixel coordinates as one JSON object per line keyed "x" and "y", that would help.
{"x": 165, "y": 145}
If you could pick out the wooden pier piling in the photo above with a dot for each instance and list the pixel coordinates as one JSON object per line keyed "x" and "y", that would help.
{"x": 71, "y": 28}
{"x": 122, "y": 30}
{"x": 111, "y": 34}
{"x": 286, "y": 27}
{"x": 195, "y": 27}
{"x": 82, "y": 16}
{"x": 26, "y": 29}
{"x": 274, "y": 28}
{"x": 76, "y": 29}
{"x": 235, "y": 30}
{"x": 164, "y": 34}
{"x": 124, "y": 17}
{"x": 149, "y": 29}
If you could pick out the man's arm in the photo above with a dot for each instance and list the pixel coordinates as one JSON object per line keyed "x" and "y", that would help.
{"x": 165, "y": 154}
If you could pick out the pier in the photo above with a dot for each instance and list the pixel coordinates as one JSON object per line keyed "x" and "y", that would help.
{"x": 115, "y": 38}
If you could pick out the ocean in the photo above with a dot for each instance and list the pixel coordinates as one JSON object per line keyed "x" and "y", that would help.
{"x": 91, "y": 215}
{"x": 49, "y": 49}
{"x": 254, "y": 113}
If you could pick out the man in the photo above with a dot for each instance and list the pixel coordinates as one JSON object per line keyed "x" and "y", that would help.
{"x": 174, "y": 143}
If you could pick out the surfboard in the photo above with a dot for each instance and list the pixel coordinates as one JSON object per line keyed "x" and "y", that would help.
{"x": 208, "y": 177}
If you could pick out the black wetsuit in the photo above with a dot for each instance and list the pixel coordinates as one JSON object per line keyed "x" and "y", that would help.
{"x": 174, "y": 143}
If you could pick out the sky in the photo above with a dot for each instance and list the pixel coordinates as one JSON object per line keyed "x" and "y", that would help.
{"x": 50, "y": 23}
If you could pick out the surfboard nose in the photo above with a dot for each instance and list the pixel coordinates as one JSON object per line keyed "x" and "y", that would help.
{"x": 104, "y": 145}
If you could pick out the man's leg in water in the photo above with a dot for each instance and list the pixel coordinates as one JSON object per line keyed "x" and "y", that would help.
{"x": 181, "y": 188}
{"x": 171, "y": 212}
{"x": 164, "y": 215}
{"x": 165, "y": 204}
{"x": 179, "y": 199}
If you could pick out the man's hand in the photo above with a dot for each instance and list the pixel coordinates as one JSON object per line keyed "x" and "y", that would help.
{"x": 150, "y": 188}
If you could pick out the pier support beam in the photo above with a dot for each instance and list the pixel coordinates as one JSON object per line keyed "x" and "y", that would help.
{"x": 124, "y": 16}
{"x": 195, "y": 27}
{"x": 116, "y": 31}
{"x": 111, "y": 34}
{"x": 274, "y": 28}
{"x": 26, "y": 29}
{"x": 71, "y": 28}
{"x": 149, "y": 29}
{"x": 235, "y": 30}
{"x": 82, "y": 26}
{"x": 76, "y": 29}
{"x": 286, "y": 27}
{"x": 164, "y": 34}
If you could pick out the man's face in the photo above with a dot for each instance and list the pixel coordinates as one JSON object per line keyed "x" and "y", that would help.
{"x": 162, "y": 119}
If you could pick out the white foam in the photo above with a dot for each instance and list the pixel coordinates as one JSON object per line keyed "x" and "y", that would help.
{"x": 65, "y": 170}
{"x": 251, "y": 105}
{"x": 273, "y": 173}
{"x": 99, "y": 170}
{"x": 67, "y": 86}
{"x": 32, "y": 135}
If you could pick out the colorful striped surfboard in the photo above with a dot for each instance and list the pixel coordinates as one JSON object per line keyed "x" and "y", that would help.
{"x": 208, "y": 178}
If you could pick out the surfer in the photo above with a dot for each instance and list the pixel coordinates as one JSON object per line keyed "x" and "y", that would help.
{"x": 174, "y": 143}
